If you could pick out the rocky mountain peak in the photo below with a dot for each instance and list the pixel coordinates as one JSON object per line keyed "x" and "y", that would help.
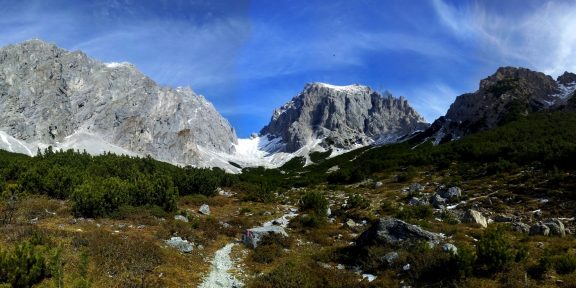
{"x": 502, "y": 97}
{"x": 49, "y": 95}
{"x": 567, "y": 78}
{"x": 341, "y": 117}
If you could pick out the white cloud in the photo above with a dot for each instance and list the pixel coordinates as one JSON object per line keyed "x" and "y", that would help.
{"x": 541, "y": 37}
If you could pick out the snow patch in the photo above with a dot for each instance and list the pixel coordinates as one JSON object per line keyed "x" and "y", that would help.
{"x": 117, "y": 64}
{"x": 347, "y": 88}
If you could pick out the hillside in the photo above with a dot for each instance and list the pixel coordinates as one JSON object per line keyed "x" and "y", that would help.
{"x": 79, "y": 213}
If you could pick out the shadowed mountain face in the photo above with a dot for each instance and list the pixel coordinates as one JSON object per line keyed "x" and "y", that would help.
{"x": 503, "y": 97}
{"x": 48, "y": 95}
{"x": 342, "y": 117}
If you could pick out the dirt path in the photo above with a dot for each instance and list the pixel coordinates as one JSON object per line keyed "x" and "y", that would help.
{"x": 220, "y": 273}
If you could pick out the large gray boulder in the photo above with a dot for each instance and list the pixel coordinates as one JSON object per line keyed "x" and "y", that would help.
{"x": 539, "y": 229}
{"x": 556, "y": 227}
{"x": 450, "y": 193}
{"x": 56, "y": 97}
{"x": 438, "y": 202}
{"x": 520, "y": 227}
{"x": 391, "y": 231}
{"x": 253, "y": 236}
{"x": 475, "y": 217}
{"x": 182, "y": 245}
{"x": 344, "y": 116}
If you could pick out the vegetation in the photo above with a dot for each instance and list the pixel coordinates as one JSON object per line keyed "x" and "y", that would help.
{"x": 525, "y": 165}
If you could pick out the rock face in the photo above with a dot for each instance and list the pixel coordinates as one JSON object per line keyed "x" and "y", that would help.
{"x": 48, "y": 95}
{"x": 343, "y": 116}
{"x": 502, "y": 97}
{"x": 393, "y": 231}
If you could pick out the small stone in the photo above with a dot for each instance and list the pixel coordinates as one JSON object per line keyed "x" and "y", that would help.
{"x": 378, "y": 185}
{"x": 451, "y": 248}
{"x": 406, "y": 267}
{"x": 204, "y": 209}
{"x": 350, "y": 223}
{"x": 182, "y": 245}
{"x": 181, "y": 218}
{"x": 391, "y": 257}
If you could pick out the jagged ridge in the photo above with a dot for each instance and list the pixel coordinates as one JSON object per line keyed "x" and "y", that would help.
{"x": 342, "y": 116}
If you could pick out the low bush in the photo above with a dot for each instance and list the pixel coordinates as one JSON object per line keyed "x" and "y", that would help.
{"x": 494, "y": 251}
{"x": 314, "y": 202}
{"x": 357, "y": 201}
{"x": 304, "y": 275}
{"x": 22, "y": 267}
{"x": 565, "y": 264}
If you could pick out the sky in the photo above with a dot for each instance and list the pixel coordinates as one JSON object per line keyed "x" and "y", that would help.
{"x": 249, "y": 57}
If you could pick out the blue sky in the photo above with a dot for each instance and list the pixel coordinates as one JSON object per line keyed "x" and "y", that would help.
{"x": 249, "y": 57}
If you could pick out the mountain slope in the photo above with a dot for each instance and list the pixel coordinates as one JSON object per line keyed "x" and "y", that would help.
{"x": 50, "y": 96}
{"x": 341, "y": 117}
{"x": 502, "y": 97}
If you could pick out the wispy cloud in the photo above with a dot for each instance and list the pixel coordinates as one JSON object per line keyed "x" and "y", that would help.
{"x": 541, "y": 36}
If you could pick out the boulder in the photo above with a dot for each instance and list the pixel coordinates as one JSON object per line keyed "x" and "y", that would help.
{"x": 378, "y": 185}
{"x": 414, "y": 201}
{"x": 391, "y": 257}
{"x": 438, "y": 201}
{"x": 539, "y": 229}
{"x": 520, "y": 227}
{"x": 394, "y": 231}
{"x": 556, "y": 227}
{"x": 253, "y": 236}
{"x": 181, "y": 218}
{"x": 450, "y": 193}
{"x": 450, "y": 248}
{"x": 204, "y": 209}
{"x": 182, "y": 245}
{"x": 503, "y": 218}
{"x": 475, "y": 217}
{"x": 416, "y": 188}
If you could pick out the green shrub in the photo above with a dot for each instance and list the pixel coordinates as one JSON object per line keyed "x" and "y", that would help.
{"x": 315, "y": 202}
{"x": 357, "y": 201}
{"x": 415, "y": 212}
{"x": 22, "y": 267}
{"x": 409, "y": 174}
{"x": 494, "y": 250}
{"x": 565, "y": 264}
{"x": 266, "y": 253}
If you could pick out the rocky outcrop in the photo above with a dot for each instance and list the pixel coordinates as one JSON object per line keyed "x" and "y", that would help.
{"x": 502, "y": 97}
{"x": 342, "y": 117}
{"x": 475, "y": 217}
{"x": 48, "y": 94}
{"x": 253, "y": 236}
{"x": 390, "y": 231}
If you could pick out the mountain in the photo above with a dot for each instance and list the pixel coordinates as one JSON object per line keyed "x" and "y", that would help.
{"x": 50, "y": 96}
{"x": 503, "y": 97}
{"x": 341, "y": 117}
